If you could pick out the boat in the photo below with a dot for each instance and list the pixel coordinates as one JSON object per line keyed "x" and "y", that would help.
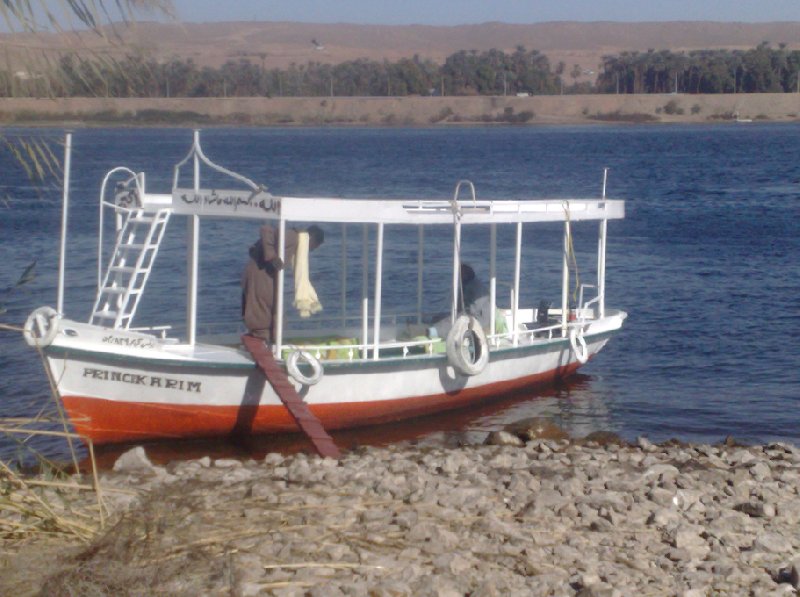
{"x": 352, "y": 365}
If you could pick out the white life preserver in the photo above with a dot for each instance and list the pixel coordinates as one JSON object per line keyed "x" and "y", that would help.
{"x": 578, "y": 344}
{"x": 41, "y": 327}
{"x": 295, "y": 373}
{"x": 467, "y": 348}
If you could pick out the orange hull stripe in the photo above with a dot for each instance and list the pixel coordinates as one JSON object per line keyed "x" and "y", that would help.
{"x": 108, "y": 421}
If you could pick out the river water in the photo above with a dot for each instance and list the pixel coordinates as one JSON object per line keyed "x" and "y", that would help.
{"x": 707, "y": 261}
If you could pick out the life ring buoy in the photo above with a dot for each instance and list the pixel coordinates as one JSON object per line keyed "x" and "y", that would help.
{"x": 292, "y": 367}
{"x": 41, "y": 327}
{"x": 467, "y": 348}
{"x": 578, "y": 345}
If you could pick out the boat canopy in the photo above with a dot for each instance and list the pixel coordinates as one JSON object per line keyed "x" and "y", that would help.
{"x": 263, "y": 205}
{"x": 135, "y": 209}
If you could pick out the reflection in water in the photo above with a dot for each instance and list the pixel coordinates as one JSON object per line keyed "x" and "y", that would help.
{"x": 572, "y": 404}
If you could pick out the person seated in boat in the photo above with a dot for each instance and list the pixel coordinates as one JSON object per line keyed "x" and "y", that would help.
{"x": 473, "y": 300}
{"x": 258, "y": 281}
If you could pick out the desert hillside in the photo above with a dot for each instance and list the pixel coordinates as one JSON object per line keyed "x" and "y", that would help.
{"x": 278, "y": 44}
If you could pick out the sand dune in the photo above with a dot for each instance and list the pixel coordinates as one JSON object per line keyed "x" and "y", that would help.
{"x": 278, "y": 44}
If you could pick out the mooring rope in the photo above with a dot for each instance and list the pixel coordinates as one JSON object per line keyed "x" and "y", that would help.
{"x": 572, "y": 259}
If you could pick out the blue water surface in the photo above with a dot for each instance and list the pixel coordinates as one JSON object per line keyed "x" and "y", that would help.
{"x": 707, "y": 261}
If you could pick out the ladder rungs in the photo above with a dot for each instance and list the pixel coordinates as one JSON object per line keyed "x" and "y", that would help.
{"x": 120, "y": 290}
{"x": 138, "y": 246}
{"x": 110, "y": 315}
{"x": 133, "y": 256}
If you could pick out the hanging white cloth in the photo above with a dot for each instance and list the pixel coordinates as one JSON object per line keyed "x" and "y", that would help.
{"x": 305, "y": 297}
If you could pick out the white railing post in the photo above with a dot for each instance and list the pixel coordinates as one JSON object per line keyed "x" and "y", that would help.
{"x": 343, "y": 269}
{"x": 420, "y": 262}
{"x": 62, "y": 257}
{"x": 365, "y": 291}
{"x": 565, "y": 282}
{"x": 193, "y": 238}
{"x": 493, "y": 277}
{"x": 277, "y": 324}
{"x": 376, "y": 324}
{"x": 601, "y": 256}
{"x": 517, "y": 275}
{"x": 456, "y": 270}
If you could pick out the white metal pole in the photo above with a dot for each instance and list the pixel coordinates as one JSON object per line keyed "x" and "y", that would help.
{"x": 193, "y": 238}
{"x": 343, "y": 269}
{"x": 517, "y": 275}
{"x": 601, "y": 268}
{"x": 420, "y": 262}
{"x": 493, "y": 276}
{"x": 601, "y": 256}
{"x": 376, "y": 329}
{"x": 64, "y": 215}
{"x": 364, "y": 290}
{"x": 277, "y": 324}
{"x": 456, "y": 270}
{"x": 565, "y": 282}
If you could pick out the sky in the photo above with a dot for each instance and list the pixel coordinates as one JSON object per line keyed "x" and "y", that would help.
{"x": 459, "y": 12}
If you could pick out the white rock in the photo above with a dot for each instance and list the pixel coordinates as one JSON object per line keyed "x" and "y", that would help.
{"x": 772, "y": 543}
{"x": 663, "y": 517}
{"x": 453, "y": 563}
{"x": 761, "y": 471}
{"x": 663, "y": 471}
{"x": 227, "y": 463}
{"x": 134, "y": 460}
{"x": 503, "y": 438}
{"x": 273, "y": 459}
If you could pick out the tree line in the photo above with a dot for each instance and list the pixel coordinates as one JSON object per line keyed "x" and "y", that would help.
{"x": 493, "y": 72}
{"x": 762, "y": 69}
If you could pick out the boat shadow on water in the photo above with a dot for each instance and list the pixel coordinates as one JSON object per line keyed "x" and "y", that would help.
{"x": 569, "y": 403}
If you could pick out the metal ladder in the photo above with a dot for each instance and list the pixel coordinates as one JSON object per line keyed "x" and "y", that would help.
{"x": 136, "y": 248}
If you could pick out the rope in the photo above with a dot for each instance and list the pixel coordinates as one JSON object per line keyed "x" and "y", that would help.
{"x": 572, "y": 259}
{"x": 456, "y": 220}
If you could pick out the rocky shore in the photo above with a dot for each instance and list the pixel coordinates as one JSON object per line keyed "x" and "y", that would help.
{"x": 519, "y": 515}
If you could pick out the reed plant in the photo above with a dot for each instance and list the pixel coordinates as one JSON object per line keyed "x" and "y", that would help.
{"x": 39, "y": 495}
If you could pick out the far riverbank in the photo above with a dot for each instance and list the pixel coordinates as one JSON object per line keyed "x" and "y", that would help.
{"x": 400, "y": 111}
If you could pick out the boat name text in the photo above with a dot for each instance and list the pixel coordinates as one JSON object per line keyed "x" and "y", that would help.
{"x": 152, "y": 381}
{"x": 129, "y": 342}
{"x": 232, "y": 200}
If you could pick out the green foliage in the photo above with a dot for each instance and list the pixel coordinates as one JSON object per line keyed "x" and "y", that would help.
{"x": 135, "y": 75}
{"x": 618, "y": 116}
{"x": 672, "y": 107}
{"x": 762, "y": 69}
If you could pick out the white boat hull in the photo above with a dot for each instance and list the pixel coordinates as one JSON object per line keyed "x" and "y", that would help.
{"x": 126, "y": 387}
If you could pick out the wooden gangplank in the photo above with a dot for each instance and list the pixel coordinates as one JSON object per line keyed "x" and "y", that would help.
{"x": 279, "y": 380}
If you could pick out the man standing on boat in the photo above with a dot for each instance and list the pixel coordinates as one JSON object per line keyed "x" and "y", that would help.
{"x": 258, "y": 280}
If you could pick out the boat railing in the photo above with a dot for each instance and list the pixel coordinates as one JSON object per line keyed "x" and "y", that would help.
{"x": 421, "y": 346}
{"x": 351, "y": 352}
{"x": 156, "y": 330}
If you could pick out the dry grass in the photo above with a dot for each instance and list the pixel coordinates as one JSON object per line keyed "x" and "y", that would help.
{"x": 52, "y": 503}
